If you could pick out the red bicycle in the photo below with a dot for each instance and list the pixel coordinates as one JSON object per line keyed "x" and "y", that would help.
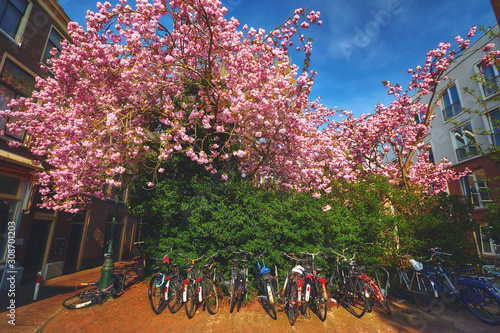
{"x": 372, "y": 291}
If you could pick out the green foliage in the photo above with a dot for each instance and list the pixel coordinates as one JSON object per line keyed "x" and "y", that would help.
{"x": 191, "y": 210}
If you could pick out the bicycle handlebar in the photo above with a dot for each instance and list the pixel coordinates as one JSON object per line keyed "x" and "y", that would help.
{"x": 260, "y": 255}
{"x": 241, "y": 251}
{"x": 211, "y": 256}
{"x": 343, "y": 255}
{"x": 292, "y": 258}
{"x": 311, "y": 254}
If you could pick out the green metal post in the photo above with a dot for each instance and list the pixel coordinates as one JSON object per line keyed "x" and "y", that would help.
{"x": 108, "y": 267}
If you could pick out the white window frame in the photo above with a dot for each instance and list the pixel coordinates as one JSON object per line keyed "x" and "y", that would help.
{"x": 469, "y": 146}
{"x": 480, "y": 69}
{"x": 455, "y": 104}
{"x": 493, "y": 130}
{"x": 464, "y": 183}
{"x": 489, "y": 241}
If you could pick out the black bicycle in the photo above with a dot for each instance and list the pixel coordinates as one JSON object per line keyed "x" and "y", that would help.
{"x": 239, "y": 279}
{"x": 92, "y": 296}
{"x": 268, "y": 293}
{"x": 349, "y": 287}
{"x": 314, "y": 293}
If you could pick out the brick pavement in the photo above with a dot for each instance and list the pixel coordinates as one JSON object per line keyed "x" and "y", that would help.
{"x": 132, "y": 313}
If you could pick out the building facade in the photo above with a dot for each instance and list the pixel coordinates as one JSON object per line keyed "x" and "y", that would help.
{"x": 462, "y": 125}
{"x": 34, "y": 239}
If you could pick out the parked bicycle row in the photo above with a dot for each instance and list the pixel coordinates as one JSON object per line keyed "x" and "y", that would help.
{"x": 305, "y": 287}
{"x": 430, "y": 281}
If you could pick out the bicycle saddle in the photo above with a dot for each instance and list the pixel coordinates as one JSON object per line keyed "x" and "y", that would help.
{"x": 174, "y": 265}
{"x": 189, "y": 267}
{"x": 319, "y": 269}
{"x": 205, "y": 266}
{"x": 244, "y": 261}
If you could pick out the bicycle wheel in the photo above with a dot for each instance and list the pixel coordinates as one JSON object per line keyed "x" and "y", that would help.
{"x": 423, "y": 292}
{"x": 377, "y": 297}
{"x": 232, "y": 295}
{"x": 483, "y": 303}
{"x": 302, "y": 300}
{"x": 210, "y": 296}
{"x": 156, "y": 295}
{"x": 266, "y": 301}
{"x": 369, "y": 301}
{"x": 241, "y": 294}
{"x": 292, "y": 306}
{"x": 190, "y": 305}
{"x": 175, "y": 295}
{"x": 81, "y": 300}
{"x": 321, "y": 303}
{"x": 321, "y": 308}
{"x": 445, "y": 295}
{"x": 382, "y": 278}
{"x": 354, "y": 297}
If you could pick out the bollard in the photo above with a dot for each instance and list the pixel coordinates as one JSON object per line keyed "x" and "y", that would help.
{"x": 37, "y": 285}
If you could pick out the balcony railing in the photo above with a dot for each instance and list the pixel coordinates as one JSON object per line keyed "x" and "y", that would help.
{"x": 466, "y": 151}
{"x": 452, "y": 110}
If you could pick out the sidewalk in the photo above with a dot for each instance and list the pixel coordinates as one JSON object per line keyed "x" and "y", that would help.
{"x": 131, "y": 312}
{"x": 32, "y": 316}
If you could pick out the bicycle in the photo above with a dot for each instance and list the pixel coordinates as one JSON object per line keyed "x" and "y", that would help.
{"x": 92, "y": 296}
{"x": 315, "y": 296}
{"x": 349, "y": 286}
{"x": 268, "y": 296}
{"x": 140, "y": 258}
{"x": 420, "y": 286}
{"x": 199, "y": 289}
{"x": 475, "y": 292}
{"x": 494, "y": 270}
{"x": 239, "y": 280}
{"x": 291, "y": 293}
{"x": 165, "y": 289}
{"x": 217, "y": 277}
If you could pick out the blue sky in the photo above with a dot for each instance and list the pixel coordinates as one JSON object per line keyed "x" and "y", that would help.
{"x": 361, "y": 43}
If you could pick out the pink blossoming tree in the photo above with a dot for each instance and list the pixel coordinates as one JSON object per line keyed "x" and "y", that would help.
{"x": 138, "y": 85}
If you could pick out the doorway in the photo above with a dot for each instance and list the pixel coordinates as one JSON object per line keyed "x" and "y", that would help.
{"x": 36, "y": 248}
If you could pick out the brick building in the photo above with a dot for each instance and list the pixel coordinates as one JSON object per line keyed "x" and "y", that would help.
{"x": 47, "y": 241}
{"x": 462, "y": 125}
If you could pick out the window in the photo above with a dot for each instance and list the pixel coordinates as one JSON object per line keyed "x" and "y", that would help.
{"x": 451, "y": 103}
{"x": 11, "y": 15}
{"x": 54, "y": 41}
{"x": 14, "y": 83}
{"x": 487, "y": 246}
{"x": 465, "y": 142}
{"x": 491, "y": 80}
{"x": 494, "y": 118}
{"x": 474, "y": 187}
{"x": 10, "y": 195}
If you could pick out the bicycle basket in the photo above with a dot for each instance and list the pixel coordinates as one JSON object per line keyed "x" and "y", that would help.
{"x": 418, "y": 266}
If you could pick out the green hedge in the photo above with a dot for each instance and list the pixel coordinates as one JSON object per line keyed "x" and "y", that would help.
{"x": 191, "y": 210}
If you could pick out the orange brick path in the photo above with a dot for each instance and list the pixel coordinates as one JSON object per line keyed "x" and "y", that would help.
{"x": 132, "y": 313}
